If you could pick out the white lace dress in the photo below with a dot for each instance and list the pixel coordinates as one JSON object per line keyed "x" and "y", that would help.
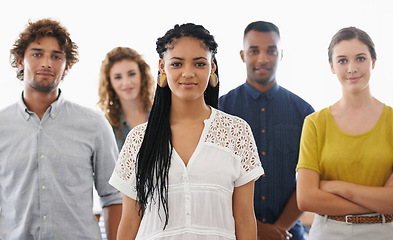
{"x": 200, "y": 194}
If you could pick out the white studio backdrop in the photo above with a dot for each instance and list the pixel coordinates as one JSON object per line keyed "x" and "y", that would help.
{"x": 306, "y": 29}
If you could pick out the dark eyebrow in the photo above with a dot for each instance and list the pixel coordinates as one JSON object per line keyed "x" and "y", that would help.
{"x": 177, "y": 58}
{"x": 270, "y": 47}
{"x": 343, "y": 56}
{"x": 199, "y": 58}
{"x": 40, "y": 50}
{"x": 195, "y": 59}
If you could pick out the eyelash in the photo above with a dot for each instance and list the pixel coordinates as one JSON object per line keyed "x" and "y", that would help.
{"x": 198, "y": 64}
{"x": 359, "y": 59}
{"x": 39, "y": 55}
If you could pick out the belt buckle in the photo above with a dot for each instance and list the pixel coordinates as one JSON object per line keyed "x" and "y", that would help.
{"x": 346, "y": 219}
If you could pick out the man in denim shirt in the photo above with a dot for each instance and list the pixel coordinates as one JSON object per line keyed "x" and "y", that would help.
{"x": 53, "y": 150}
{"x": 276, "y": 117}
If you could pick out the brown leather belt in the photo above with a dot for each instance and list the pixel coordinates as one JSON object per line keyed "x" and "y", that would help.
{"x": 350, "y": 219}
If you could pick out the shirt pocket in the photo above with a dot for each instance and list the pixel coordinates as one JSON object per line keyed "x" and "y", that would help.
{"x": 287, "y": 138}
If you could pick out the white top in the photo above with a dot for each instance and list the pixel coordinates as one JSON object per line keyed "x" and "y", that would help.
{"x": 199, "y": 194}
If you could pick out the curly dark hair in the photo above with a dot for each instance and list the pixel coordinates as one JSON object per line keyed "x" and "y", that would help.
{"x": 108, "y": 100}
{"x": 37, "y": 30}
{"x": 154, "y": 157}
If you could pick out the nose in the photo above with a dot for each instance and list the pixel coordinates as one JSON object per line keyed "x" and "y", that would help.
{"x": 46, "y": 62}
{"x": 263, "y": 58}
{"x": 352, "y": 68}
{"x": 188, "y": 73}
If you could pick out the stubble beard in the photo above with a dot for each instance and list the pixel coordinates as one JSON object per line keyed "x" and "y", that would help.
{"x": 42, "y": 87}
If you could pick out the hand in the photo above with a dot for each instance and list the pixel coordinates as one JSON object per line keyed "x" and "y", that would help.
{"x": 267, "y": 231}
{"x": 328, "y": 186}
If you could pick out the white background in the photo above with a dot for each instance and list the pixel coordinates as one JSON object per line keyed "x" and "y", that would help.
{"x": 306, "y": 29}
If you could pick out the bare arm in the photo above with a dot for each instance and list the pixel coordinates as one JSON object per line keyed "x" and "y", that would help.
{"x": 290, "y": 215}
{"x": 130, "y": 219}
{"x": 112, "y": 215}
{"x": 377, "y": 199}
{"x": 311, "y": 198}
{"x": 243, "y": 212}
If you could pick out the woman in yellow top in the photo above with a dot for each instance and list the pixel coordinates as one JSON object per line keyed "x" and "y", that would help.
{"x": 346, "y": 152}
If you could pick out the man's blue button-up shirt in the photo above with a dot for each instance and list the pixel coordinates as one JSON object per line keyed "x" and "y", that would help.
{"x": 276, "y": 119}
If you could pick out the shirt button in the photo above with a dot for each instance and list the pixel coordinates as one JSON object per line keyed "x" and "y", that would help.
{"x": 262, "y": 109}
{"x": 42, "y": 156}
{"x": 263, "y": 175}
{"x": 41, "y": 127}
{"x": 263, "y": 198}
{"x": 263, "y": 153}
{"x": 263, "y": 130}
{"x": 263, "y": 220}
{"x": 44, "y": 217}
{"x": 43, "y": 187}
{"x": 52, "y": 115}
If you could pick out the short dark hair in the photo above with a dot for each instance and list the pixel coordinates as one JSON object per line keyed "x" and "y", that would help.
{"x": 262, "y": 26}
{"x": 352, "y": 33}
{"x": 37, "y": 30}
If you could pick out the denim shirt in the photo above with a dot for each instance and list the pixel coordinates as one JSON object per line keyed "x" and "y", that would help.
{"x": 276, "y": 119}
{"x": 121, "y": 137}
{"x": 47, "y": 171}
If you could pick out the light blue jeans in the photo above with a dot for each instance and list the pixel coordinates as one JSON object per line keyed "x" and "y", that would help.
{"x": 327, "y": 229}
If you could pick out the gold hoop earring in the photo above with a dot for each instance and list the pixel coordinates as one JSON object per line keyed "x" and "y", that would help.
{"x": 161, "y": 80}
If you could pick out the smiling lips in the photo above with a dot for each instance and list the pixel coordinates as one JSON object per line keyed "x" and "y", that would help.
{"x": 262, "y": 69}
{"x": 353, "y": 79}
{"x": 187, "y": 84}
{"x": 45, "y": 73}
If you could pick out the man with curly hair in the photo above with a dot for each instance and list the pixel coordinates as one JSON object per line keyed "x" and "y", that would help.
{"x": 53, "y": 151}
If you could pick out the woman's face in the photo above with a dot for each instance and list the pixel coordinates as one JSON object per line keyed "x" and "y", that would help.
{"x": 188, "y": 65}
{"x": 352, "y": 63}
{"x": 125, "y": 78}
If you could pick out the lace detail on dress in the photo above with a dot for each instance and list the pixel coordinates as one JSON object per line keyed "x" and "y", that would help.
{"x": 126, "y": 162}
{"x": 235, "y": 134}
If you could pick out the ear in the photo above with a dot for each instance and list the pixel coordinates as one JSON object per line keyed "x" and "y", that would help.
{"x": 242, "y": 55}
{"x": 214, "y": 67}
{"x": 373, "y": 64}
{"x": 282, "y": 54}
{"x": 19, "y": 63}
{"x": 161, "y": 65}
{"x": 66, "y": 71}
{"x": 332, "y": 69}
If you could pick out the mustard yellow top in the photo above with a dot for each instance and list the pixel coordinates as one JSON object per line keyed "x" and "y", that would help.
{"x": 365, "y": 159}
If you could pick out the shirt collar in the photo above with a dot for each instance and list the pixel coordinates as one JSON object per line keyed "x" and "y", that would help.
{"x": 269, "y": 94}
{"x": 52, "y": 110}
{"x": 123, "y": 119}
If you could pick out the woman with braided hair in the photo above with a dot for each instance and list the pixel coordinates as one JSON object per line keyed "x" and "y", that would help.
{"x": 189, "y": 172}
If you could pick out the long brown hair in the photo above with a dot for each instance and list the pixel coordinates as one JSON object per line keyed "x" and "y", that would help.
{"x": 108, "y": 100}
